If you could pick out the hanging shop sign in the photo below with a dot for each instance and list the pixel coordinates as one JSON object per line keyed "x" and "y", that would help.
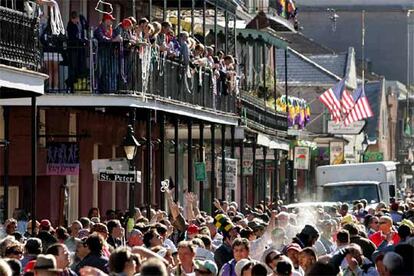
{"x": 336, "y": 152}
{"x": 200, "y": 171}
{"x": 62, "y": 158}
{"x": 230, "y": 173}
{"x": 352, "y": 129}
{"x": 247, "y": 167}
{"x": 301, "y": 158}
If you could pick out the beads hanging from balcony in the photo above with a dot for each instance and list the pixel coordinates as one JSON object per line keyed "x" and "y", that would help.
{"x": 56, "y": 22}
{"x": 145, "y": 55}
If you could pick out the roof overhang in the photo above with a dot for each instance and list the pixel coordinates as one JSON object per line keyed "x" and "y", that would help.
{"x": 131, "y": 101}
{"x": 271, "y": 142}
{"x": 20, "y": 82}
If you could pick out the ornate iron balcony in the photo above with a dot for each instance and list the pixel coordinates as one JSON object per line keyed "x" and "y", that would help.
{"x": 19, "y": 39}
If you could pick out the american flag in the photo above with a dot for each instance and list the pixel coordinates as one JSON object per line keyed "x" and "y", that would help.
{"x": 338, "y": 100}
{"x": 361, "y": 110}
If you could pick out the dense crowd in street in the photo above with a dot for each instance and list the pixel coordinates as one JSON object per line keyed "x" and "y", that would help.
{"x": 268, "y": 239}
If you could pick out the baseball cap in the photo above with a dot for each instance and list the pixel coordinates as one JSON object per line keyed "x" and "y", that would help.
{"x": 45, "y": 225}
{"x": 408, "y": 223}
{"x": 108, "y": 17}
{"x": 207, "y": 265}
{"x": 192, "y": 229}
{"x": 240, "y": 265}
{"x": 293, "y": 246}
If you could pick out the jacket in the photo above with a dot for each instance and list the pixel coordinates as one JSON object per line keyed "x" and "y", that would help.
{"x": 94, "y": 260}
{"x": 222, "y": 255}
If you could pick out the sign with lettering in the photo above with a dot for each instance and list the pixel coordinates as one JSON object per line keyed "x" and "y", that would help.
{"x": 117, "y": 176}
{"x": 230, "y": 173}
{"x": 340, "y": 128}
{"x": 62, "y": 158}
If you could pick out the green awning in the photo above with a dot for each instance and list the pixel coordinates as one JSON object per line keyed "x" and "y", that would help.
{"x": 262, "y": 35}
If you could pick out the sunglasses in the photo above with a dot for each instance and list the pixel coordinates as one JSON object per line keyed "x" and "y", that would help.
{"x": 382, "y": 222}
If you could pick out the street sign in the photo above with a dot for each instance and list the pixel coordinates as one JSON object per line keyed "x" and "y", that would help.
{"x": 340, "y": 128}
{"x": 117, "y": 176}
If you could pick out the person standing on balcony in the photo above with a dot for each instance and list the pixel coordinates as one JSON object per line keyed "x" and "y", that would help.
{"x": 108, "y": 57}
{"x": 124, "y": 30}
{"x": 184, "y": 60}
{"x": 76, "y": 29}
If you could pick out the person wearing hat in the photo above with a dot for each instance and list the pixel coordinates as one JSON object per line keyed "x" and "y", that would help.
{"x": 46, "y": 265}
{"x": 45, "y": 234}
{"x": 307, "y": 237}
{"x": 205, "y": 268}
{"x": 104, "y": 32}
{"x": 292, "y": 251}
{"x": 192, "y": 231}
{"x": 124, "y": 30}
{"x": 270, "y": 258}
{"x": 224, "y": 252}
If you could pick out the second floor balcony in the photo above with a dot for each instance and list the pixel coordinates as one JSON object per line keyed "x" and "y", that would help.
{"x": 19, "y": 34}
{"x": 20, "y": 58}
{"x": 118, "y": 69}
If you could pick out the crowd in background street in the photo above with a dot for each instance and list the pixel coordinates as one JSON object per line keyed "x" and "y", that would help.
{"x": 269, "y": 239}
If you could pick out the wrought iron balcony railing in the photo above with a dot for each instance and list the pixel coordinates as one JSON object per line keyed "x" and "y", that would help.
{"x": 19, "y": 39}
{"x": 261, "y": 118}
{"x": 112, "y": 68}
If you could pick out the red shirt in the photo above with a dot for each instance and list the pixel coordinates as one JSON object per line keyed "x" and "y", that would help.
{"x": 377, "y": 238}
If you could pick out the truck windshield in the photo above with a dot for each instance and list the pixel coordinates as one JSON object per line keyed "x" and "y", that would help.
{"x": 349, "y": 193}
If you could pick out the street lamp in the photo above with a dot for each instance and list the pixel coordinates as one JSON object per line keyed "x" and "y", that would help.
{"x": 131, "y": 145}
{"x": 364, "y": 148}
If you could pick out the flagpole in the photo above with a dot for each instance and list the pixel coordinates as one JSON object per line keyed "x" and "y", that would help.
{"x": 363, "y": 50}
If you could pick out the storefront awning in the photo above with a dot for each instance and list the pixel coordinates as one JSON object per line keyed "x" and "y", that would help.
{"x": 272, "y": 143}
{"x": 263, "y": 35}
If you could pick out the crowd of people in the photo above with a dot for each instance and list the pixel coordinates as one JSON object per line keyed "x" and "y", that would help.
{"x": 117, "y": 44}
{"x": 266, "y": 240}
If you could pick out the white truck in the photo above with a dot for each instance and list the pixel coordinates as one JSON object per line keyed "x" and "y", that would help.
{"x": 374, "y": 182}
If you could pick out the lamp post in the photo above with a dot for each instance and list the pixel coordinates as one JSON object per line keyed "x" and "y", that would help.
{"x": 364, "y": 148}
{"x": 131, "y": 145}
